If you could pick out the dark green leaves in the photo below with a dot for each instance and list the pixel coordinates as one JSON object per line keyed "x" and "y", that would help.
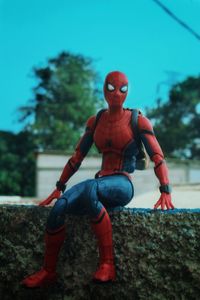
{"x": 177, "y": 121}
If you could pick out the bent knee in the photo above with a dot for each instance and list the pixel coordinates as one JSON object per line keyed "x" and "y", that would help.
{"x": 91, "y": 198}
{"x": 57, "y": 214}
{"x": 90, "y": 190}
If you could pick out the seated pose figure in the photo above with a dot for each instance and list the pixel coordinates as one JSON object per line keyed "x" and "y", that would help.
{"x": 112, "y": 133}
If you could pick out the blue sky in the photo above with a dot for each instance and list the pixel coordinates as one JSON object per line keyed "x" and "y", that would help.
{"x": 133, "y": 36}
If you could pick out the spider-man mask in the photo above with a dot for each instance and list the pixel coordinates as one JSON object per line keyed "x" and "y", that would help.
{"x": 115, "y": 89}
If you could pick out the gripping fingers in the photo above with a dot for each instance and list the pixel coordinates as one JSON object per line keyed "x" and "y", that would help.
{"x": 54, "y": 195}
{"x": 171, "y": 205}
{"x": 158, "y": 203}
{"x": 167, "y": 203}
{"x": 164, "y": 201}
{"x": 46, "y": 201}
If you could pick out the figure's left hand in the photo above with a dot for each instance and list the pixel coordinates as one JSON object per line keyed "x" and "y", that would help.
{"x": 164, "y": 201}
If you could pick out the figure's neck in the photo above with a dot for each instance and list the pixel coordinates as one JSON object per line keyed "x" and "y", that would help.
{"x": 115, "y": 113}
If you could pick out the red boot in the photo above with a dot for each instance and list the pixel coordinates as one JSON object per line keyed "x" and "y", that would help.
{"x": 47, "y": 275}
{"x": 102, "y": 228}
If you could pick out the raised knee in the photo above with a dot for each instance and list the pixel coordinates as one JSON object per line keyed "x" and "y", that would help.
{"x": 90, "y": 190}
{"x": 57, "y": 215}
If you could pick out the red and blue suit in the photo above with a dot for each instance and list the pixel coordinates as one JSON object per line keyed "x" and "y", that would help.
{"x": 112, "y": 185}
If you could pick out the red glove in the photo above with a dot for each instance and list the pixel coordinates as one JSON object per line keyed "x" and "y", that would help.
{"x": 54, "y": 195}
{"x": 164, "y": 201}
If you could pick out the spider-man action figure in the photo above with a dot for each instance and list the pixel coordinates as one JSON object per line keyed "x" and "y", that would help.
{"x": 112, "y": 186}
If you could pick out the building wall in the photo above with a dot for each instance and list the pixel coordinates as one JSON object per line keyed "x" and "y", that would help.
{"x": 50, "y": 165}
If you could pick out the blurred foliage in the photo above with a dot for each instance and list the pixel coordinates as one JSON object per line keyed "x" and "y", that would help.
{"x": 177, "y": 121}
{"x": 17, "y": 164}
{"x": 157, "y": 255}
{"x": 66, "y": 95}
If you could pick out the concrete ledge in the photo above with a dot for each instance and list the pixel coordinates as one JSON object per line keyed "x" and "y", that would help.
{"x": 157, "y": 255}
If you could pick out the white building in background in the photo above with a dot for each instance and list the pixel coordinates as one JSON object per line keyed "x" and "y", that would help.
{"x": 50, "y": 165}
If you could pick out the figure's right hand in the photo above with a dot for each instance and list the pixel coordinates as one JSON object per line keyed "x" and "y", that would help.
{"x": 54, "y": 195}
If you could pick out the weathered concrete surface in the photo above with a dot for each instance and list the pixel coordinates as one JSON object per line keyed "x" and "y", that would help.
{"x": 157, "y": 255}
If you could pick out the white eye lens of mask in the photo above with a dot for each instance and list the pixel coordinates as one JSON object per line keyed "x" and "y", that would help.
{"x": 124, "y": 88}
{"x": 110, "y": 87}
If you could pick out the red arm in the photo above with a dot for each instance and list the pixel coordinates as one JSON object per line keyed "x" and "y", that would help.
{"x": 74, "y": 162}
{"x": 156, "y": 155}
{"x": 82, "y": 149}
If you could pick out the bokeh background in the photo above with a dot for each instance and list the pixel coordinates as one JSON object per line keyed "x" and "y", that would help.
{"x": 54, "y": 56}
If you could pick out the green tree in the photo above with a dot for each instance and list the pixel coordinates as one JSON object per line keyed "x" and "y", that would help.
{"x": 177, "y": 121}
{"x": 17, "y": 164}
{"x": 66, "y": 95}
{"x": 9, "y": 173}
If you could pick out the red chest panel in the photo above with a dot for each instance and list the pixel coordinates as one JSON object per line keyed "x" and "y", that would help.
{"x": 113, "y": 136}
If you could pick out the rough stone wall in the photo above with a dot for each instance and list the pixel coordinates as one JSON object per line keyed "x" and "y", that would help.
{"x": 157, "y": 255}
